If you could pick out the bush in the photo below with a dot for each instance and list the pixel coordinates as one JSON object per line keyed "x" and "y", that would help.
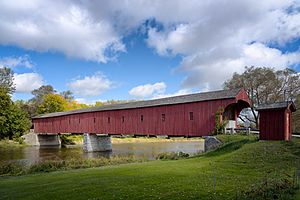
{"x": 271, "y": 188}
{"x": 8, "y": 169}
{"x": 12, "y": 169}
{"x": 172, "y": 156}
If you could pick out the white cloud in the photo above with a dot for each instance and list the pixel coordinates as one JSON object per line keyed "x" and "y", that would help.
{"x": 62, "y": 26}
{"x": 211, "y": 75}
{"x": 90, "y": 86}
{"x": 148, "y": 90}
{"x": 14, "y": 61}
{"x": 178, "y": 93}
{"x": 27, "y": 82}
{"x": 215, "y": 38}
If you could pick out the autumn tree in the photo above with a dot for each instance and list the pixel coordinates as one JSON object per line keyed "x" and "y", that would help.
{"x": 52, "y": 103}
{"x": 265, "y": 85}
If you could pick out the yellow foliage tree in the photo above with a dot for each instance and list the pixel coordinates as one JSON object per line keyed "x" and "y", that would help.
{"x": 52, "y": 103}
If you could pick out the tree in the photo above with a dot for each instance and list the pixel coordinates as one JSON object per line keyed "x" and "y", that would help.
{"x": 52, "y": 103}
{"x": 296, "y": 117}
{"x": 68, "y": 95}
{"x": 13, "y": 121}
{"x": 7, "y": 80}
{"x": 41, "y": 92}
{"x": 265, "y": 85}
{"x": 27, "y": 106}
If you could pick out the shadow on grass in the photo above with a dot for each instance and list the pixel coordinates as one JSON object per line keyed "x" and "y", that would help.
{"x": 228, "y": 148}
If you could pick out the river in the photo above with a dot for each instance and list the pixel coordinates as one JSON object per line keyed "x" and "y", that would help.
{"x": 140, "y": 150}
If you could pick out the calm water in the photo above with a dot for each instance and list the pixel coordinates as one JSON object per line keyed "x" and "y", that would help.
{"x": 32, "y": 154}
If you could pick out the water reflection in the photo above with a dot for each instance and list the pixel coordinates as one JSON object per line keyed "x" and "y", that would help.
{"x": 149, "y": 151}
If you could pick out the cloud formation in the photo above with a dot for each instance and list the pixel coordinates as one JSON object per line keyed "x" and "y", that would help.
{"x": 27, "y": 82}
{"x": 13, "y": 61}
{"x": 148, "y": 90}
{"x": 214, "y": 38}
{"x": 91, "y": 86}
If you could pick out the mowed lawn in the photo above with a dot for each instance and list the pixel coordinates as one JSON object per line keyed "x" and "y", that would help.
{"x": 222, "y": 174}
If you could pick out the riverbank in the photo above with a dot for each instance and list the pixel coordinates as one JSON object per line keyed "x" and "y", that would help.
{"x": 242, "y": 168}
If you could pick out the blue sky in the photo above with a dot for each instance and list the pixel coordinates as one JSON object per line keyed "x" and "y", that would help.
{"x": 143, "y": 49}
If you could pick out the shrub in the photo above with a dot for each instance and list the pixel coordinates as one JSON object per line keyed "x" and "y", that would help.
{"x": 8, "y": 169}
{"x": 172, "y": 156}
{"x": 271, "y": 188}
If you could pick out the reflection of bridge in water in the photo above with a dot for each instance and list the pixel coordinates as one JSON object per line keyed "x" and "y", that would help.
{"x": 190, "y": 115}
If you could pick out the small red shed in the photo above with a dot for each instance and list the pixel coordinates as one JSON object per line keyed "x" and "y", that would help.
{"x": 275, "y": 121}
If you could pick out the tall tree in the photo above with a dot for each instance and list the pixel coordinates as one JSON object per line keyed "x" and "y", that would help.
{"x": 296, "y": 117}
{"x": 13, "y": 121}
{"x": 41, "y": 92}
{"x": 68, "y": 95}
{"x": 7, "y": 80}
{"x": 52, "y": 103}
{"x": 265, "y": 85}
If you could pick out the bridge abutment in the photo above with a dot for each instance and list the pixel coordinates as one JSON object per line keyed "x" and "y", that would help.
{"x": 94, "y": 142}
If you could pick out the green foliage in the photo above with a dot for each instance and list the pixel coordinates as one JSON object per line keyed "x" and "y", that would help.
{"x": 220, "y": 123}
{"x": 270, "y": 188}
{"x": 7, "y": 80}
{"x": 67, "y": 95}
{"x": 52, "y": 103}
{"x": 41, "y": 92}
{"x": 13, "y": 121}
{"x": 13, "y": 169}
{"x": 172, "y": 156}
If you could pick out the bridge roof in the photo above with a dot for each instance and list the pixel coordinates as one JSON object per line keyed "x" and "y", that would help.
{"x": 189, "y": 98}
{"x": 278, "y": 105}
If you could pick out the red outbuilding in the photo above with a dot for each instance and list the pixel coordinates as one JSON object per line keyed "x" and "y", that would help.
{"x": 185, "y": 115}
{"x": 275, "y": 121}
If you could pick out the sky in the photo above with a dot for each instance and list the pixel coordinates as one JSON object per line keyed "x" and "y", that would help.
{"x": 142, "y": 49}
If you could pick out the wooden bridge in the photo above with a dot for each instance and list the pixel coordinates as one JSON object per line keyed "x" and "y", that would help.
{"x": 186, "y": 115}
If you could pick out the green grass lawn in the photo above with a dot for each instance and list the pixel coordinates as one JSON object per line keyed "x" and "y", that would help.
{"x": 222, "y": 174}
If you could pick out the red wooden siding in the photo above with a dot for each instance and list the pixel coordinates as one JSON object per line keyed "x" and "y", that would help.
{"x": 276, "y": 123}
{"x": 271, "y": 125}
{"x": 177, "y": 120}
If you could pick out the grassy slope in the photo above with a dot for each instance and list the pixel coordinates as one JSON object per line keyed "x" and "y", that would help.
{"x": 233, "y": 168}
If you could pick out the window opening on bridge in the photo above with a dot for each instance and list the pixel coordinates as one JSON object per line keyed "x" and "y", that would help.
{"x": 79, "y": 121}
{"x": 94, "y": 120}
{"x": 69, "y": 121}
{"x": 142, "y": 118}
{"x": 191, "y": 116}
{"x": 108, "y": 120}
{"x": 123, "y": 119}
{"x": 163, "y": 117}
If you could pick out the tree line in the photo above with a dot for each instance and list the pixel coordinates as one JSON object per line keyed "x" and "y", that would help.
{"x": 267, "y": 85}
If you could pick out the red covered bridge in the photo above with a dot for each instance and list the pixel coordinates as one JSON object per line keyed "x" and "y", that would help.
{"x": 186, "y": 115}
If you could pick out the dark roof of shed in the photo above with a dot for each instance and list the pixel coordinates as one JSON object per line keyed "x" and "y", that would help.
{"x": 277, "y": 105}
{"x": 205, "y": 96}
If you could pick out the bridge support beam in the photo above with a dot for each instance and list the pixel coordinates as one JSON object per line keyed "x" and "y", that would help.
{"x": 93, "y": 142}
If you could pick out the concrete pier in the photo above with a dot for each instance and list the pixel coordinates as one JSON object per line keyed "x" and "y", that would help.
{"x": 94, "y": 142}
{"x": 36, "y": 139}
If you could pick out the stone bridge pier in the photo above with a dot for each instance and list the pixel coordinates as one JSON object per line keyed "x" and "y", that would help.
{"x": 94, "y": 142}
{"x": 36, "y": 139}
